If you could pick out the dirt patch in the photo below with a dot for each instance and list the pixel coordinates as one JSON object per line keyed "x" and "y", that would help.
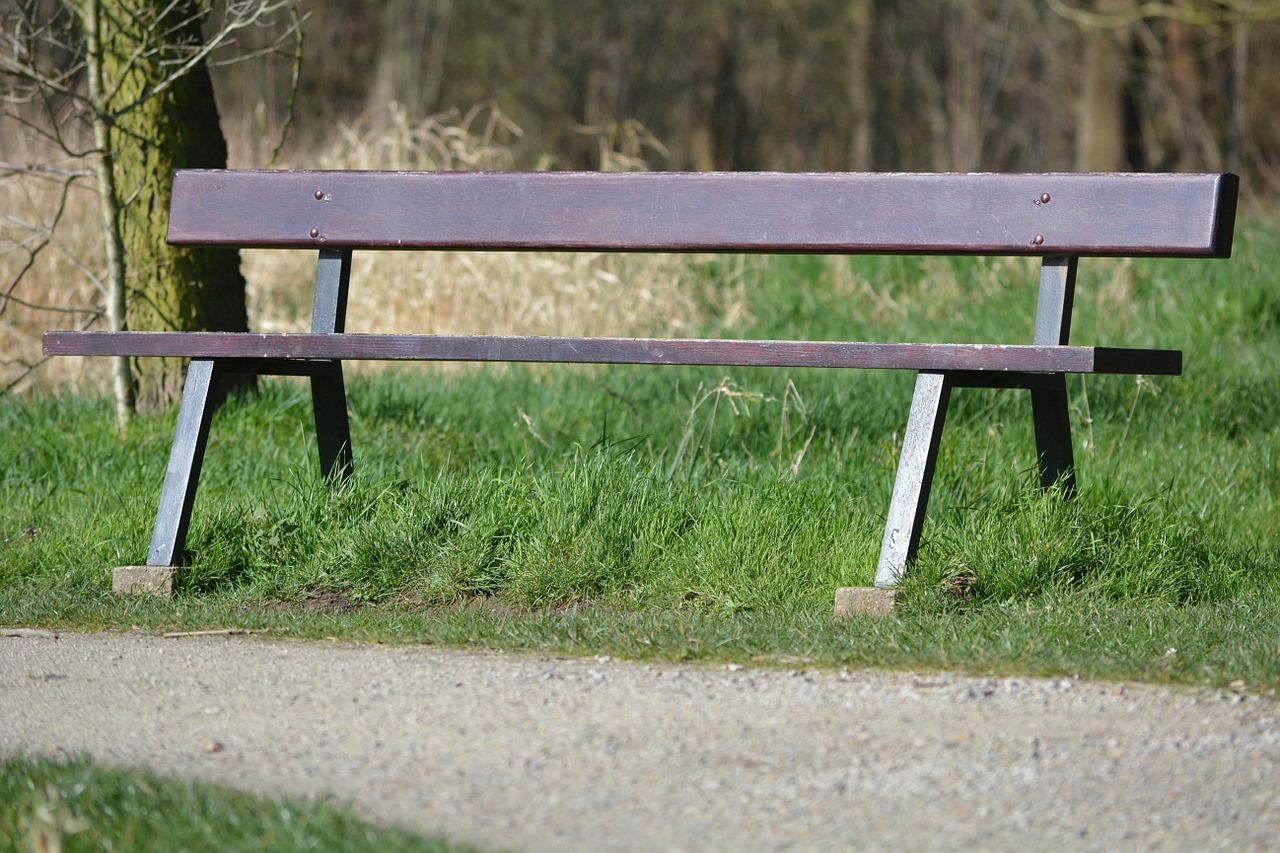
{"x": 329, "y": 600}
{"x": 321, "y": 600}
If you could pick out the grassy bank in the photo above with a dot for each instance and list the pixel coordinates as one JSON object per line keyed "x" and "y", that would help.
{"x": 710, "y": 514}
{"x": 76, "y": 805}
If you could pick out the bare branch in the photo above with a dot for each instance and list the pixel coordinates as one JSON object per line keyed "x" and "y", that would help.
{"x": 294, "y": 83}
{"x": 238, "y": 16}
{"x": 30, "y": 369}
{"x": 30, "y": 42}
{"x": 7, "y": 296}
{"x": 33, "y": 366}
{"x": 44, "y": 169}
{"x": 53, "y": 130}
{"x": 39, "y": 238}
{"x": 47, "y": 309}
{"x": 38, "y": 79}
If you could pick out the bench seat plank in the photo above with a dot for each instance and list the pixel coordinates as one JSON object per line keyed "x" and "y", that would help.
{"x": 721, "y": 352}
{"x": 1045, "y": 215}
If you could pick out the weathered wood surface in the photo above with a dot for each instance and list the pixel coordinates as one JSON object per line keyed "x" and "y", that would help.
{"x": 728, "y": 353}
{"x": 970, "y": 214}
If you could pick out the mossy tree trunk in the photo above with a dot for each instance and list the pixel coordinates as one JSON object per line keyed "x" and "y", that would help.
{"x": 163, "y": 116}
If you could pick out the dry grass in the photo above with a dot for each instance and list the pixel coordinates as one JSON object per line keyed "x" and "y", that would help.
{"x": 50, "y": 258}
{"x": 442, "y": 293}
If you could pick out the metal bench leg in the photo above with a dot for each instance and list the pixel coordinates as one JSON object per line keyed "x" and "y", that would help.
{"x": 181, "y": 478}
{"x": 915, "y": 476}
{"x": 1053, "y": 435}
{"x": 1049, "y": 403}
{"x": 328, "y": 392}
{"x": 333, "y": 429}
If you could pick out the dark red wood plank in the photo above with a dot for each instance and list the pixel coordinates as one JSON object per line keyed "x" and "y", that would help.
{"x": 977, "y": 357}
{"x": 986, "y": 214}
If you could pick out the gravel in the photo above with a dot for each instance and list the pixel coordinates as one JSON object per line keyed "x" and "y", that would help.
{"x": 530, "y": 753}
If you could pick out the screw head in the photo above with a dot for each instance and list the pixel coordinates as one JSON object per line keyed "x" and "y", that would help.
{"x": 1037, "y": 240}
{"x": 315, "y": 232}
{"x": 319, "y": 195}
{"x": 1044, "y": 198}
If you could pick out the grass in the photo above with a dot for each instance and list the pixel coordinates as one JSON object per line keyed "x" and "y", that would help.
{"x": 702, "y": 514}
{"x": 74, "y": 805}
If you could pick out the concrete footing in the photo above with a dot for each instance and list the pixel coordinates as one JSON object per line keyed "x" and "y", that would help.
{"x": 864, "y": 601}
{"x": 143, "y": 580}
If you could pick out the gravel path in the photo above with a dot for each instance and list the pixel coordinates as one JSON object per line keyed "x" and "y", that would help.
{"x": 529, "y": 753}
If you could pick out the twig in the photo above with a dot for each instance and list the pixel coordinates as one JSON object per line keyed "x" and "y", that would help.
{"x": 44, "y": 168}
{"x": 220, "y": 632}
{"x": 29, "y": 369}
{"x": 294, "y": 84}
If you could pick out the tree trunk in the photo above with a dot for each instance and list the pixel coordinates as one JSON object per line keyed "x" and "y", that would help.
{"x": 411, "y": 57}
{"x": 122, "y": 386}
{"x": 860, "y": 18}
{"x": 1238, "y": 94}
{"x": 154, "y": 133}
{"x": 1101, "y": 143}
{"x": 733, "y": 127}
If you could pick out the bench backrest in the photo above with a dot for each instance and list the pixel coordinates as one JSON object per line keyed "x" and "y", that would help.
{"x": 1047, "y": 215}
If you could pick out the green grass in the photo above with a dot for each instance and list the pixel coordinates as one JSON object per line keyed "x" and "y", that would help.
{"x": 76, "y": 805}
{"x": 709, "y": 514}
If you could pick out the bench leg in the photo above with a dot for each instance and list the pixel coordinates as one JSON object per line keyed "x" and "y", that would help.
{"x": 181, "y": 478}
{"x": 333, "y": 429}
{"x": 328, "y": 393}
{"x": 915, "y": 476}
{"x": 195, "y": 412}
{"x": 1053, "y": 435}
{"x": 1049, "y": 401}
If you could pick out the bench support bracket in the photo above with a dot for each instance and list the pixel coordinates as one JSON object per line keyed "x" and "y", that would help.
{"x": 199, "y": 399}
{"x": 915, "y": 476}
{"x": 328, "y": 393}
{"x": 190, "y": 437}
{"x": 1049, "y": 407}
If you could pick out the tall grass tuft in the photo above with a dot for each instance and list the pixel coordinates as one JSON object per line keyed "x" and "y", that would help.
{"x": 1108, "y": 545}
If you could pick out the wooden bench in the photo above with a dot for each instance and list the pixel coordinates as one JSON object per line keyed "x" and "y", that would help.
{"x": 1056, "y": 217}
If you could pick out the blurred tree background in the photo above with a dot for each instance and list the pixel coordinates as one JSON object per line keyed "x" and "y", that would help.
{"x": 789, "y": 85}
{"x": 803, "y": 84}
